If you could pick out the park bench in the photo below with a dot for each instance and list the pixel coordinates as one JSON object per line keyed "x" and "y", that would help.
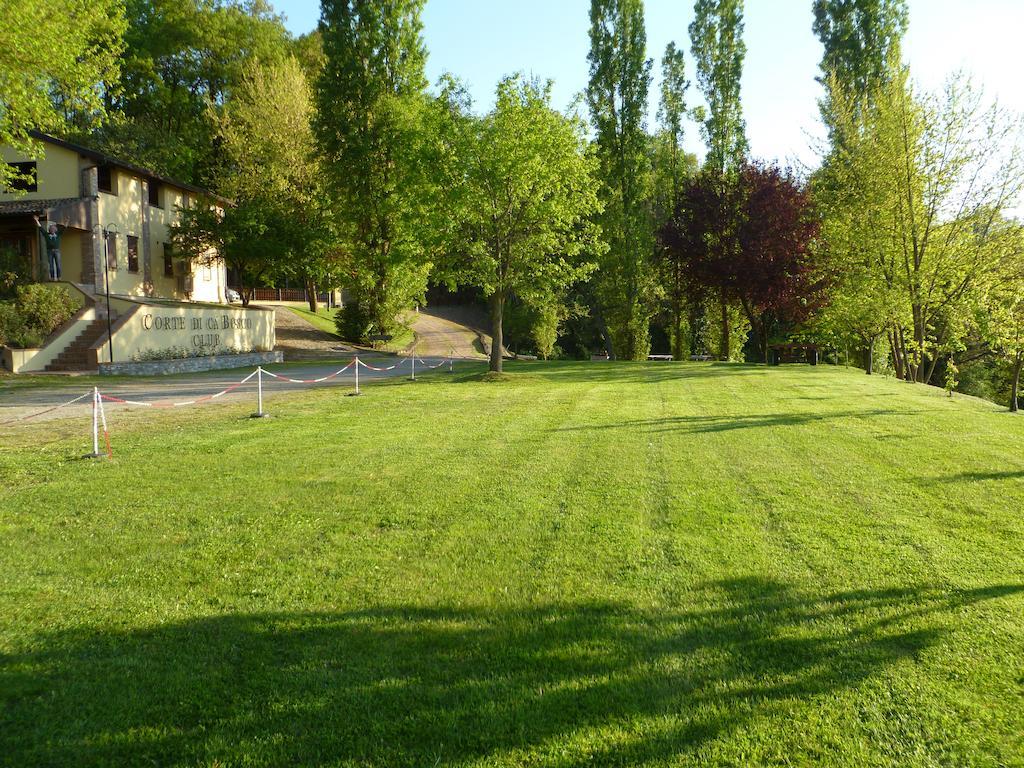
{"x": 793, "y": 353}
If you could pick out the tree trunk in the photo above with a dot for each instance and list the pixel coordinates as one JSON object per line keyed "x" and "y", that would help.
{"x": 723, "y": 345}
{"x": 677, "y": 328}
{"x": 497, "y": 309}
{"x": 606, "y": 334}
{"x": 246, "y": 296}
{"x": 696, "y": 322}
{"x": 871, "y": 356}
{"x": 919, "y": 337}
{"x": 897, "y": 361}
{"x": 311, "y": 295}
{"x": 1015, "y": 384}
{"x": 909, "y": 363}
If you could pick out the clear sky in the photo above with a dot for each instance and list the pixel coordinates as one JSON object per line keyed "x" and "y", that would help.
{"x": 482, "y": 40}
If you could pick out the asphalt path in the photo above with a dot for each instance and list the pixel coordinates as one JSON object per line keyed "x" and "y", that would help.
{"x": 22, "y": 404}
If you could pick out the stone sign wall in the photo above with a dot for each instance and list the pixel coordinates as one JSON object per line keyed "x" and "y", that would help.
{"x": 152, "y": 331}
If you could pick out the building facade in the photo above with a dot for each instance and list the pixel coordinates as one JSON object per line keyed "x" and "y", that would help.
{"x": 88, "y": 193}
{"x": 115, "y": 221}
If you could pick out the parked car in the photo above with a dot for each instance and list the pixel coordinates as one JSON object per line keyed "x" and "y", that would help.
{"x": 232, "y": 295}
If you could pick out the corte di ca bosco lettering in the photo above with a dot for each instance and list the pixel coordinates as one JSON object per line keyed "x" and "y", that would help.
{"x": 152, "y": 322}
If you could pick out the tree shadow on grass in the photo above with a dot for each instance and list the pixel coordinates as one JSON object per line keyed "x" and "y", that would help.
{"x": 732, "y": 422}
{"x": 408, "y": 685}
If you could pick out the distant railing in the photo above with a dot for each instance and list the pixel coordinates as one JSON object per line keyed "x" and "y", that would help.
{"x": 285, "y": 294}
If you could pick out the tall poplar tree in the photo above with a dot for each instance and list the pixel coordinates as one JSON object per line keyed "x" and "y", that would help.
{"x": 859, "y": 38}
{"x": 716, "y": 37}
{"x": 371, "y": 108}
{"x": 620, "y": 76}
{"x": 671, "y": 167}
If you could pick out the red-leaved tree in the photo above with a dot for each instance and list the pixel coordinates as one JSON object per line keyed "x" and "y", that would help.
{"x": 752, "y": 237}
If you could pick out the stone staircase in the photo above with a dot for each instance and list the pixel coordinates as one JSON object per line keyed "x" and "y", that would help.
{"x": 76, "y": 355}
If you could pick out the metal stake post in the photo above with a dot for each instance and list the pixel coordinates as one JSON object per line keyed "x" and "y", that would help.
{"x": 357, "y": 377}
{"x": 414, "y": 362}
{"x": 95, "y": 421}
{"x": 95, "y": 426}
{"x": 259, "y": 393}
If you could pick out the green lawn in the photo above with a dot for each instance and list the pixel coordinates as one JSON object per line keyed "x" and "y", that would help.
{"x": 592, "y": 564}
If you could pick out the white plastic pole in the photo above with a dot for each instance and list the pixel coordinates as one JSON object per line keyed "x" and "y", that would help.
{"x": 414, "y": 362}
{"x": 451, "y": 362}
{"x": 95, "y": 421}
{"x": 259, "y": 390}
{"x": 357, "y": 374}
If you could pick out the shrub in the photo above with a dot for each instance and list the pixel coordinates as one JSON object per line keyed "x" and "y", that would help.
{"x": 14, "y": 271}
{"x": 353, "y": 323}
{"x": 45, "y": 309}
{"x": 15, "y": 331}
{"x": 181, "y": 353}
{"x": 36, "y": 312}
{"x": 12, "y": 324}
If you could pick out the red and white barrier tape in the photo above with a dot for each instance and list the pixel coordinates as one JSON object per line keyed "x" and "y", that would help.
{"x": 428, "y": 366}
{"x": 369, "y": 367}
{"x": 169, "y": 404}
{"x": 314, "y": 381}
{"x": 48, "y": 410}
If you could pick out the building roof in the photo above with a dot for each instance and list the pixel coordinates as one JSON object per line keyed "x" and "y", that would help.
{"x": 33, "y": 207}
{"x": 102, "y": 158}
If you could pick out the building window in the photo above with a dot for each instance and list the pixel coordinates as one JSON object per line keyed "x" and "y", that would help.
{"x": 154, "y": 193}
{"x": 133, "y": 253}
{"x": 112, "y": 251}
{"x": 26, "y": 181}
{"x": 208, "y": 273}
{"x": 168, "y": 261}
{"x": 105, "y": 179}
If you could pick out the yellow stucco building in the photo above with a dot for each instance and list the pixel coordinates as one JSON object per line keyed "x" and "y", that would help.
{"x": 115, "y": 221}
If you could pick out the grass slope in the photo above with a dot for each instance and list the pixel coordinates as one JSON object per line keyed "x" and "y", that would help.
{"x": 605, "y": 564}
{"x": 324, "y": 320}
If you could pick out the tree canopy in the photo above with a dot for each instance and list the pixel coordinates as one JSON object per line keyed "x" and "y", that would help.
{"x": 56, "y": 59}
{"x": 370, "y": 126}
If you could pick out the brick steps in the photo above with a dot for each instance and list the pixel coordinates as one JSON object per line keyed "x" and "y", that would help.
{"x": 76, "y": 356}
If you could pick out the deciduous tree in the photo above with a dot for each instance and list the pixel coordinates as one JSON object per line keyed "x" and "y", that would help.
{"x": 182, "y": 62}
{"x": 771, "y": 270}
{"x": 716, "y": 37}
{"x": 859, "y": 38}
{"x": 919, "y": 184}
{"x": 671, "y": 166}
{"x": 524, "y": 205}
{"x": 1002, "y": 324}
{"x": 371, "y": 115}
{"x": 272, "y": 164}
{"x": 55, "y": 58}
